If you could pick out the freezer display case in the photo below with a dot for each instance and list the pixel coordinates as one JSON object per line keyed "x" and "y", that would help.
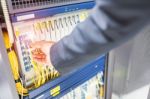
{"x": 30, "y": 21}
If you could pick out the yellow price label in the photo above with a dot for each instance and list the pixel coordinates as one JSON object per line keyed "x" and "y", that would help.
{"x": 82, "y": 17}
{"x": 55, "y": 91}
{"x": 17, "y": 32}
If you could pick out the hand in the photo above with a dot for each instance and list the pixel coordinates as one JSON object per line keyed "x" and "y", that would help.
{"x": 41, "y": 52}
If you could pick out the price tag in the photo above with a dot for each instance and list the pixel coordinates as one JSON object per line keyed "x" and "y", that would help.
{"x": 55, "y": 91}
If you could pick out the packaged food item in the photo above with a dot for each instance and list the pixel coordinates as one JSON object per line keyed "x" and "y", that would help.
{"x": 91, "y": 89}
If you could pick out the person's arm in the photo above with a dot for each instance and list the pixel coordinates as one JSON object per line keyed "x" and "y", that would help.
{"x": 111, "y": 23}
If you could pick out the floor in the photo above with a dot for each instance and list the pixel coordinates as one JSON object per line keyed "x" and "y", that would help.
{"x": 141, "y": 93}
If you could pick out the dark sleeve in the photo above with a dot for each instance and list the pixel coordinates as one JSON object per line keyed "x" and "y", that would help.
{"x": 111, "y": 23}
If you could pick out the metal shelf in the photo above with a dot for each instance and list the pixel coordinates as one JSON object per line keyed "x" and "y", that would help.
{"x": 52, "y": 11}
{"x": 70, "y": 81}
{"x": 16, "y": 6}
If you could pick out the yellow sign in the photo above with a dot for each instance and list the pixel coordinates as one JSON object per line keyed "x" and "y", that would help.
{"x": 55, "y": 91}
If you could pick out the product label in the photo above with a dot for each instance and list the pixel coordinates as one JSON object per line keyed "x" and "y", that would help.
{"x": 55, "y": 91}
{"x": 25, "y": 17}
